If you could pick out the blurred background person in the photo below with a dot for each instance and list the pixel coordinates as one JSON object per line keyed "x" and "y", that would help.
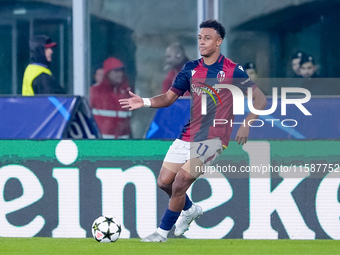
{"x": 296, "y": 58}
{"x": 98, "y": 75}
{"x": 112, "y": 120}
{"x": 250, "y": 69}
{"x": 307, "y": 67}
{"x": 38, "y": 78}
{"x": 175, "y": 59}
{"x": 312, "y": 81}
{"x": 263, "y": 84}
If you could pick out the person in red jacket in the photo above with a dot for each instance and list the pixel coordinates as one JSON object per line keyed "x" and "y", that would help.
{"x": 175, "y": 59}
{"x": 112, "y": 120}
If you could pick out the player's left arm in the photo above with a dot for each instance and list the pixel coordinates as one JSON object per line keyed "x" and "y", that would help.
{"x": 259, "y": 103}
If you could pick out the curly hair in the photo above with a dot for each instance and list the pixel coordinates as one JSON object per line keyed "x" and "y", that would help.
{"x": 215, "y": 25}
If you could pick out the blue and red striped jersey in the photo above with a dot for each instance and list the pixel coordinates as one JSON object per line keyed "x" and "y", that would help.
{"x": 199, "y": 78}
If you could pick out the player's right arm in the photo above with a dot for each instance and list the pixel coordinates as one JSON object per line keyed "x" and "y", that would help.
{"x": 178, "y": 88}
{"x": 160, "y": 101}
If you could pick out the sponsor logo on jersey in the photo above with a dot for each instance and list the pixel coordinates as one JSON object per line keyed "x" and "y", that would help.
{"x": 208, "y": 90}
{"x": 193, "y": 72}
{"x": 241, "y": 68}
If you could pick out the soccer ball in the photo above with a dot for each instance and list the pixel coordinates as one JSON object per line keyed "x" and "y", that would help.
{"x": 106, "y": 229}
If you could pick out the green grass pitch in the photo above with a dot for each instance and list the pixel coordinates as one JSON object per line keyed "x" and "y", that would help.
{"x": 87, "y": 246}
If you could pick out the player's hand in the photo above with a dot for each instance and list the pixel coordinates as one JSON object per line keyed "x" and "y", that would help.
{"x": 132, "y": 103}
{"x": 242, "y": 134}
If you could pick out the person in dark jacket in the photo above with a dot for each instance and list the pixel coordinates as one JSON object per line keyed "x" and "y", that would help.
{"x": 38, "y": 78}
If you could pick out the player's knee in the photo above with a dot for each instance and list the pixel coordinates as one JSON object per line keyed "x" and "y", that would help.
{"x": 162, "y": 184}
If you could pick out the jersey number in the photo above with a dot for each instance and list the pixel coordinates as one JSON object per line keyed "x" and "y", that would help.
{"x": 204, "y": 151}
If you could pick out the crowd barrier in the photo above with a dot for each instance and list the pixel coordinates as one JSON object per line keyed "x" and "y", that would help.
{"x": 262, "y": 190}
{"x": 46, "y": 117}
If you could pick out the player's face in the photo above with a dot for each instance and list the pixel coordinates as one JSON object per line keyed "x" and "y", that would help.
{"x": 116, "y": 76}
{"x": 48, "y": 54}
{"x": 307, "y": 69}
{"x": 209, "y": 41}
{"x": 296, "y": 65}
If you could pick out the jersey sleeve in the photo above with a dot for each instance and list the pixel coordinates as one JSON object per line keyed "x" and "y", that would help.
{"x": 242, "y": 80}
{"x": 182, "y": 82}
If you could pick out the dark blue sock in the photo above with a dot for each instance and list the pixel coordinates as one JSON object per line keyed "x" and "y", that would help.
{"x": 169, "y": 219}
{"x": 188, "y": 203}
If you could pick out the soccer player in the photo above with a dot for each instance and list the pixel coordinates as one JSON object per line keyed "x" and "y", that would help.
{"x": 200, "y": 142}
